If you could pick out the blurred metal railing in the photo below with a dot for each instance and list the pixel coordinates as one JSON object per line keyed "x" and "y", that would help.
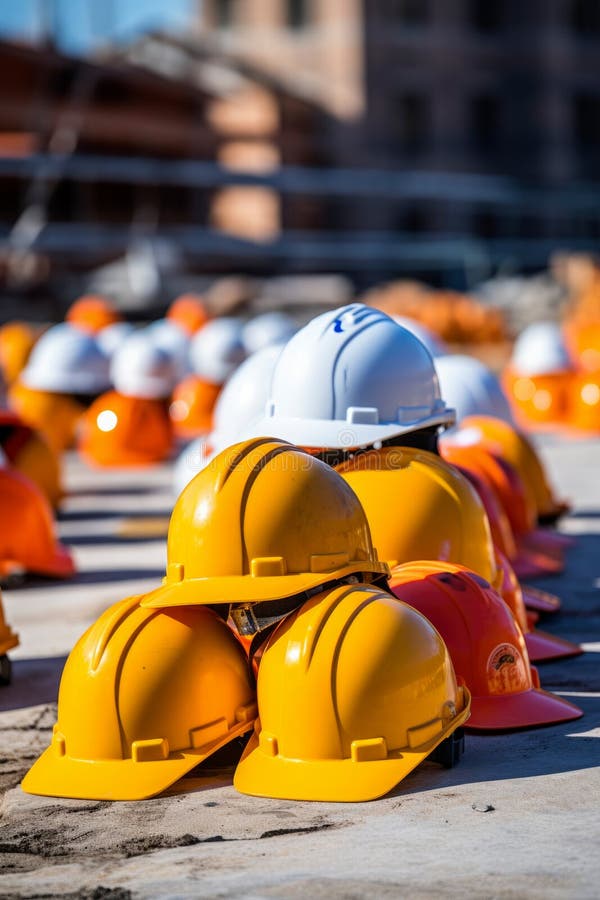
{"x": 411, "y": 184}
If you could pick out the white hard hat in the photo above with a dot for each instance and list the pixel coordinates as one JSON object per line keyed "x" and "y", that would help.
{"x": 540, "y": 350}
{"x": 218, "y": 349}
{"x": 172, "y": 339}
{"x": 267, "y": 328}
{"x": 351, "y": 378}
{"x": 111, "y": 337}
{"x": 141, "y": 369}
{"x": 67, "y": 360}
{"x": 434, "y": 344}
{"x": 471, "y": 388}
{"x": 244, "y": 395}
{"x": 192, "y": 459}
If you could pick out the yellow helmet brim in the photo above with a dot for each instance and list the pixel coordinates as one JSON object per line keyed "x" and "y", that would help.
{"x": 249, "y": 588}
{"x": 117, "y": 779}
{"x": 344, "y": 780}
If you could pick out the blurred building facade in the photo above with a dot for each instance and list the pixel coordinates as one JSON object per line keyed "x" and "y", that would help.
{"x": 496, "y": 87}
{"x": 440, "y": 138}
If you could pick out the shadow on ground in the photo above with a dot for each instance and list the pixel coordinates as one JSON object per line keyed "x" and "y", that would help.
{"x": 34, "y": 682}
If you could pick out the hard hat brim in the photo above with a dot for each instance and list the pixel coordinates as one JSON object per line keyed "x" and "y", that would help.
{"x": 247, "y": 588}
{"x": 55, "y": 382}
{"x": 339, "y": 434}
{"x": 542, "y": 540}
{"x": 123, "y": 779}
{"x": 60, "y": 565}
{"x": 532, "y": 562}
{"x": 508, "y": 712}
{"x": 542, "y": 646}
{"x": 557, "y": 541}
{"x": 540, "y": 601}
{"x": 341, "y": 780}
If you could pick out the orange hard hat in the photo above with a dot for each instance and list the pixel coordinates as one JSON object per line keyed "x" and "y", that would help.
{"x": 540, "y": 645}
{"x": 192, "y": 406}
{"x": 189, "y": 312}
{"x": 516, "y": 448}
{"x": 54, "y": 415}
{"x": 584, "y": 407}
{"x": 125, "y": 431}
{"x": 486, "y": 646}
{"x": 27, "y": 540}
{"x": 502, "y": 534}
{"x": 538, "y": 399}
{"x": 92, "y": 313}
{"x": 28, "y": 452}
{"x": 535, "y": 554}
{"x": 16, "y": 342}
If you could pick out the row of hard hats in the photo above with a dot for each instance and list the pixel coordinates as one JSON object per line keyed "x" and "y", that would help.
{"x": 518, "y": 479}
{"x": 338, "y": 677}
{"x": 455, "y": 317}
{"x": 70, "y": 364}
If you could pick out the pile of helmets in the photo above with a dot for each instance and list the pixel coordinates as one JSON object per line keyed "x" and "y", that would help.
{"x": 331, "y": 668}
{"x": 553, "y": 377}
{"x": 456, "y": 318}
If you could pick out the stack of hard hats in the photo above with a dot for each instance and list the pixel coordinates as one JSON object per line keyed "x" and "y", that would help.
{"x": 130, "y": 425}
{"x": 215, "y": 351}
{"x": 65, "y": 371}
{"x": 539, "y": 376}
{"x": 298, "y": 549}
{"x": 334, "y": 716}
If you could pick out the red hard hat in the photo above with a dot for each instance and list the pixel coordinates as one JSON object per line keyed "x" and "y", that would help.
{"x": 485, "y": 643}
{"x": 540, "y": 645}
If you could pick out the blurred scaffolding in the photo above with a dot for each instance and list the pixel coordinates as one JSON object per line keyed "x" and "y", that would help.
{"x": 445, "y": 140}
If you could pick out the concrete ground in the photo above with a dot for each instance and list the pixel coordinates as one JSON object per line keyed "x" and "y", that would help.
{"x": 519, "y": 817}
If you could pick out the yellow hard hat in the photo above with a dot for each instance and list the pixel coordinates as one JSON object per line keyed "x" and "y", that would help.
{"x": 421, "y": 507}
{"x": 355, "y": 689}
{"x": 54, "y": 415}
{"x": 515, "y": 448}
{"x": 263, "y": 521}
{"x": 144, "y": 697}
